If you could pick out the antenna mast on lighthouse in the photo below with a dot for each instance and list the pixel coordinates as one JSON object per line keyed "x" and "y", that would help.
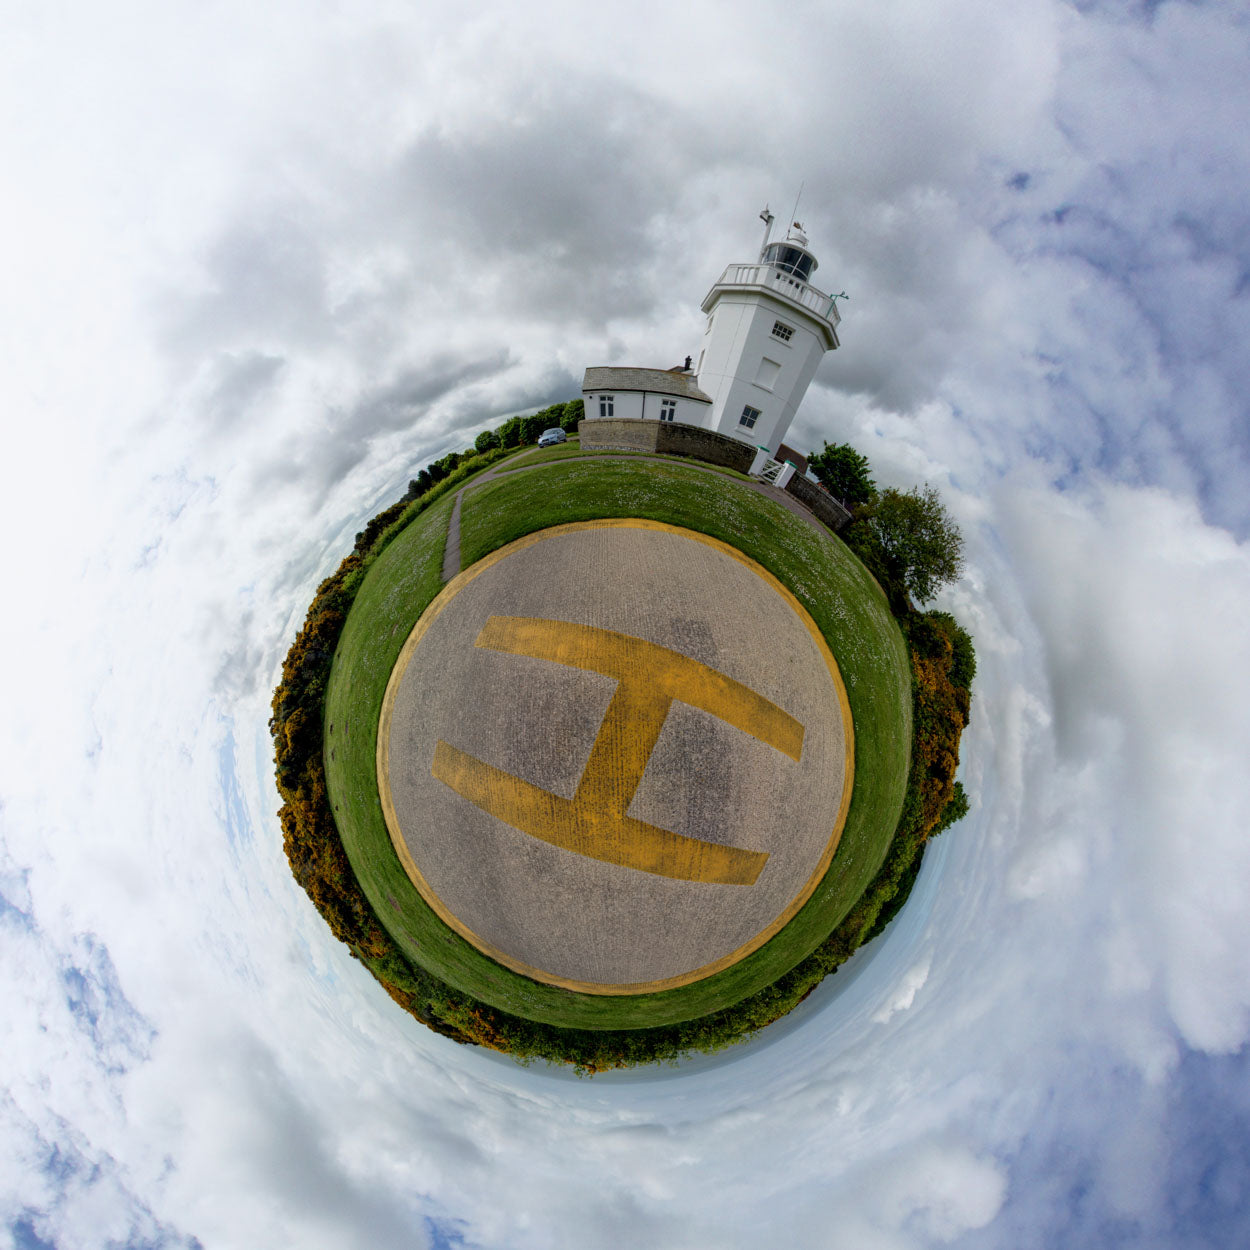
{"x": 767, "y": 218}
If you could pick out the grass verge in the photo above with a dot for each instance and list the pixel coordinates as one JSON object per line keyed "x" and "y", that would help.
{"x": 572, "y": 450}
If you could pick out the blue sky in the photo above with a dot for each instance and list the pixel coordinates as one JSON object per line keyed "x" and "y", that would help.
{"x": 261, "y": 264}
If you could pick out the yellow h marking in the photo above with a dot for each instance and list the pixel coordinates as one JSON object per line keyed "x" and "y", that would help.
{"x": 593, "y": 822}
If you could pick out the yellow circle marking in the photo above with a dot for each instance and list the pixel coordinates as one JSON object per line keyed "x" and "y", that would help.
{"x": 594, "y": 823}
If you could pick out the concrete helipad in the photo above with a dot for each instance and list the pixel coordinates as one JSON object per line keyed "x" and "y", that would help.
{"x": 615, "y": 756}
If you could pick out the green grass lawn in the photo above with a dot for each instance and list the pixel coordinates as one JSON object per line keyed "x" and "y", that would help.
{"x": 562, "y": 451}
{"x": 567, "y": 451}
{"x": 842, "y": 598}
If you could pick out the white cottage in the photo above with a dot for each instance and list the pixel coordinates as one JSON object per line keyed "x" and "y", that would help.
{"x": 660, "y": 394}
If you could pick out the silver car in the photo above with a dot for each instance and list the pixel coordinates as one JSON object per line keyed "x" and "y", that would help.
{"x": 549, "y": 438}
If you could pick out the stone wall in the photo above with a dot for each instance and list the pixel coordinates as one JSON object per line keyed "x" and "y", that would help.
{"x": 706, "y": 445}
{"x": 819, "y": 501}
{"x": 622, "y": 433}
{"x": 672, "y": 438}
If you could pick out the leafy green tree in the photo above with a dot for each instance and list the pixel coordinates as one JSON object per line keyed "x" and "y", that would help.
{"x": 920, "y": 543}
{"x": 844, "y": 473}
{"x": 574, "y": 411}
{"x": 487, "y": 440}
{"x": 510, "y": 433}
{"x": 533, "y": 427}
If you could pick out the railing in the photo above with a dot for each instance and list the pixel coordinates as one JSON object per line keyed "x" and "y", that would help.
{"x": 784, "y": 284}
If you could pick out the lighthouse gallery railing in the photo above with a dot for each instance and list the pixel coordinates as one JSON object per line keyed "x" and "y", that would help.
{"x": 784, "y": 284}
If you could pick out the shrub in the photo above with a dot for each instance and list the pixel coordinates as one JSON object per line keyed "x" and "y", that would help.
{"x": 964, "y": 665}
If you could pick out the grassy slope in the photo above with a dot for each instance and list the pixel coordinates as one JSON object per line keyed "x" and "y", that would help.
{"x": 567, "y": 451}
{"x": 846, "y": 604}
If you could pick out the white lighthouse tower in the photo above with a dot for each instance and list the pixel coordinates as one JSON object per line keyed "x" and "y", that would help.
{"x": 767, "y": 328}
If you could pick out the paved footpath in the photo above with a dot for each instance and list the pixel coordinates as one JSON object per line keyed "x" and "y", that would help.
{"x": 451, "y": 552}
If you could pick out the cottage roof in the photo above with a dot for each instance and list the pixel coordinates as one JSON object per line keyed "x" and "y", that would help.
{"x": 653, "y": 381}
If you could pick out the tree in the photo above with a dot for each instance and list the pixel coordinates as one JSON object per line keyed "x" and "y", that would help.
{"x": 574, "y": 411}
{"x": 487, "y": 440}
{"x": 510, "y": 432}
{"x": 844, "y": 473}
{"x": 921, "y": 545}
{"x": 532, "y": 427}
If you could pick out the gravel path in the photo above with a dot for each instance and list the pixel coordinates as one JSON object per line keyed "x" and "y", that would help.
{"x": 451, "y": 552}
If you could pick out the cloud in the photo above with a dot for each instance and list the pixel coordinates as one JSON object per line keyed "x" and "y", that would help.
{"x": 910, "y": 985}
{"x": 1138, "y": 651}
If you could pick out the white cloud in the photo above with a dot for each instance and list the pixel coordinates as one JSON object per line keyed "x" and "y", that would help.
{"x": 1135, "y": 597}
{"x": 911, "y": 983}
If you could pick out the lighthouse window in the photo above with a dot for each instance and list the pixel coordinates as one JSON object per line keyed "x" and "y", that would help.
{"x": 790, "y": 260}
{"x": 668, "y": 410}
{"x": 782, "y": 331}
{"x": 749, "y": 417}
{"x": 606, "y": 405}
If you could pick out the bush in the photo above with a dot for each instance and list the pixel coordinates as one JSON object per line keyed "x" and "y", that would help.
{"x": 964, "y": 664}
{"x": 955, "y": 810}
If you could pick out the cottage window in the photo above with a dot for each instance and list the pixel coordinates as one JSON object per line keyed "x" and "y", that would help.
{"x": 749, "y": 417}
{"x": 606, "y": 407}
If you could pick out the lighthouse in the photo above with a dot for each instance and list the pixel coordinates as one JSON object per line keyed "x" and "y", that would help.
{"x": 767, "y": 328}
